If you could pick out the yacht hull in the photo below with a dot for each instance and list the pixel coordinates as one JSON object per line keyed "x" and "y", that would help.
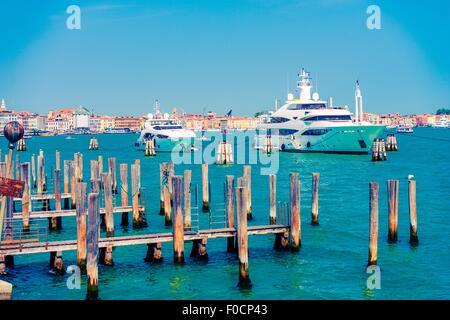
{"x": 338, "y": 140}
{"x": 171, "y": 145}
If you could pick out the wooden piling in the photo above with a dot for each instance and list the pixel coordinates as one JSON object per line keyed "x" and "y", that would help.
{"x": 187, "y": 176}
{"x": 413, "y": 237}
{"x": 167, "y": 177}
{"x": 392, "y": 190}
{"x": 242, "y": 238}
{"x": 72, "y": 183}
{"x": 56, "y": 262}
{"x": 92, "y": 256}
{"x": 247, "y": 174}
{"x": 315, "y": 199}
{"x": 56, "y": 222}
{"x": 26, "y": 196}
{"x": 205, "y": 187}
{"x": 154, "y": 253}
{"x": 199, "y": 249}
{"x": 100, "y": 168}
{"x": 138, "y": 217}
{"x": 230, "y": 211}
{"x": 57, "y": 160}
{"x": 112, "y": 171}
{"x": 178, "y": 226}
{"x": 124, "y": 191}
{"x": 373, "y": 237}
{"x": 272, "y": 199}
{"x": 40, "y": 174}
{"x": 33, "y": 171}
{"x": 162, "y": 180}
{"x": 81, "y": 212}
{"x": 109, "y": 216}
{"x": 295, "y": 229}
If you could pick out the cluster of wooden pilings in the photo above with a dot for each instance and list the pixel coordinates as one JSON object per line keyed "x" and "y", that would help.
{"x": 150, "y": 148}
{"x": 73, "y": 195}
{"x": 393, "y": 191}
{"x": 267, "y": 144}
{"x": 21, "y": 145}
{"x": 391, "y": 142}
{"x": 93, "y": 144}
{"x": 379, "y": 150}
{"x": 224, "y": 153}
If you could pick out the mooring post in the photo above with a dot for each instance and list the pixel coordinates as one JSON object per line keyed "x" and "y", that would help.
{"x": 137, "y": 162}
{"x": 247, "y": 174}
{"x": 95, "y": 178}
{"x": 162, "y": 167}
{"x": 26, "y": 198}
{"x": 72, "y": 183}
{"x": 124, "y": 191}
{"x": 230, "y": 211}
{"x": 205, "y": 187}
{"x": 178, "y": 226}
{"x": 56, "y": 262}
{"x": 242, "y": 238}
{"x": 92, "y": 257}
{"x": 199, "y": 249}
{"x": 166, "y": 183}
{"x": 40, "y": 183}
{"x": 56, "y": 222}
{"x": 81, "y": 211}
{"x": 296, "y": 238}
{"x": 413, "y": 238}
{"x": 112, "y": 171}
{"x": 392, "y": 190}
{"x": 33, "y": 171}
{"x": 187, "y": 198}
{"x": 373, "y": 237}
{"x": 107, "y": 192}
{"x": 100, "y": 168}
{"x": 57, "y": 160}
{"x": 78, "y": 159}
{"x": 138, "y": 216}
{"x": 66, "y": 182}
{"x": 154, "y": 252}
{"x": 315, "y": 199}
{"x": 273, "y": 199}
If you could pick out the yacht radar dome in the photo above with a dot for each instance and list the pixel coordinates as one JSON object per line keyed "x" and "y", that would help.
{"x": 315, "y": 96}
{"x": 150, "y": 116}
{"x": 166, "y": 116}
{"x": 290, "y": 96}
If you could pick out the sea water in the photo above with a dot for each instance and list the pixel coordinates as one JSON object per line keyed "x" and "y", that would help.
{"x": 332, "y": 261}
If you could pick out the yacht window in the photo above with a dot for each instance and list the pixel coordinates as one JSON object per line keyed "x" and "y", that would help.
{"x": 315, "y": 132}
{"x": 328, "y": 118}
{"x": 278, "y": 119}
{"x": 286, "y": 132}
{"x": 304, "y": 106}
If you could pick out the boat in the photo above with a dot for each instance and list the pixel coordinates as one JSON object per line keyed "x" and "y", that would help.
{"x": 168, "y": 134}
{"x": 404, "y": 129}
{"x": 442, "y": 123}
{"x": 117, "y": 130}
{"x": 308, "y": 124}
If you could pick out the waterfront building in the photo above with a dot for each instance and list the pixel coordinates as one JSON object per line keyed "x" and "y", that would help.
{"x": 81, "y": 118}
{"x": 130, "y": 122}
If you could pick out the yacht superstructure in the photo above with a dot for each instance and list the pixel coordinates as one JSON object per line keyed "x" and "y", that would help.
{"x": 308, "y": 124}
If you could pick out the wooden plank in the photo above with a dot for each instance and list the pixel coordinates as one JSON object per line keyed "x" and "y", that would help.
{"x": 70, "y": 212}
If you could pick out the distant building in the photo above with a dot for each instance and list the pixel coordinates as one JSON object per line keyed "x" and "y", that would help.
{"x": 133, "y": 123}
{"x": 81, "y": 118}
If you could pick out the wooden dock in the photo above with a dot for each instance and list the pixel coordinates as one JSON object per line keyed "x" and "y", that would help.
{"x": 70, "y": 245}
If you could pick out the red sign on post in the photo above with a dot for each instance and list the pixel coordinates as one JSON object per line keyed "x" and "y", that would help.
{"x": 11, "y": 187}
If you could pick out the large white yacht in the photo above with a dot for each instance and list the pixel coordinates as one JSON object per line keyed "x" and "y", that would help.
{"x": 167, "y": 133}
{"x": 442, "y": 123}
{"x": 308, "y": 124}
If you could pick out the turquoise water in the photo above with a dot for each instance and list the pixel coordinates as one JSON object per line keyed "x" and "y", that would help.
{"x": 332, "y": 261}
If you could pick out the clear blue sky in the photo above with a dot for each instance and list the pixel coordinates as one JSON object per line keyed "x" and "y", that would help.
{"x": 215, "y": 55}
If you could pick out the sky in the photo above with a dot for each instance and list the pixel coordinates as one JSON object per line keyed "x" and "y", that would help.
{"x": 205, "y": 55}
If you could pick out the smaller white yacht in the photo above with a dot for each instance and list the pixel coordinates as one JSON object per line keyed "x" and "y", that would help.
{"x": 404, "y": 129}
{"x": 168, "y": 134}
